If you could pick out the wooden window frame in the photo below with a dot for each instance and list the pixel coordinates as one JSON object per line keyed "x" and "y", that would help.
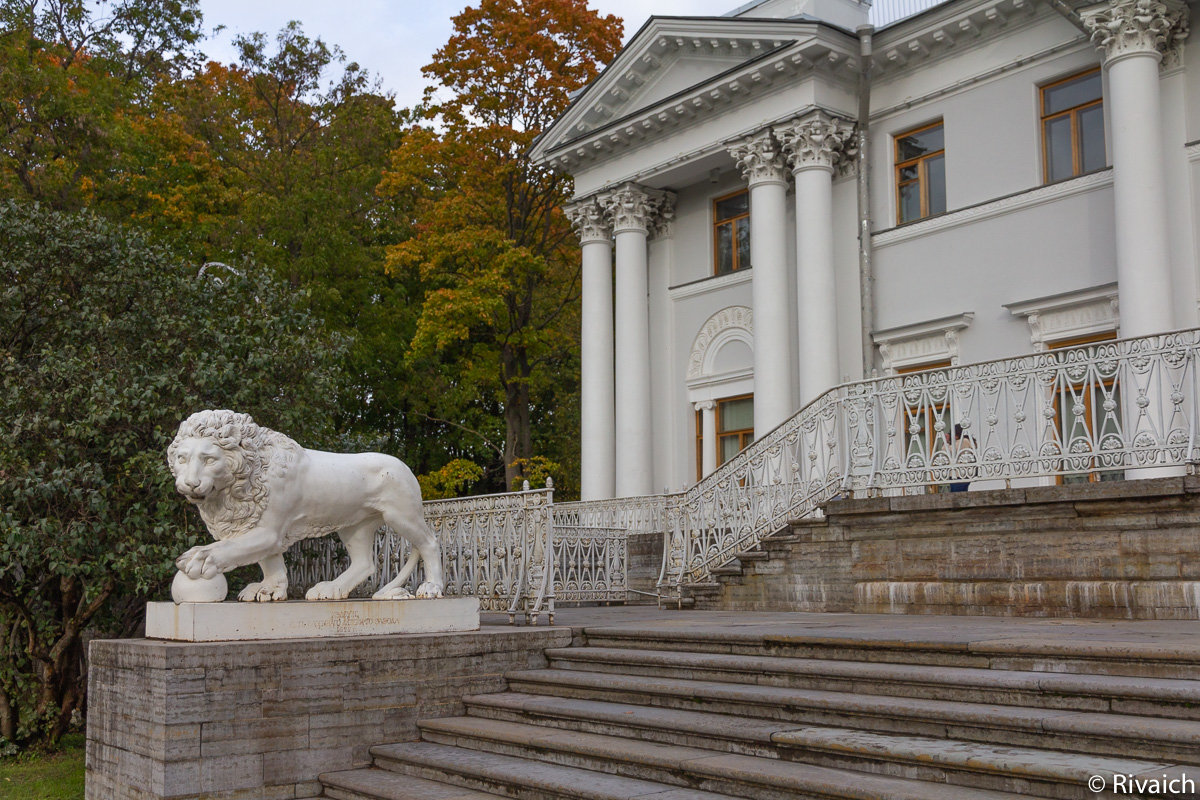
{"x": 745, "y": 435}
{"x": 732, "y": 221}
{"x": 922, "y": 179}
{"x": 1073, "y": 112}
{"x": 1095, "y": 475}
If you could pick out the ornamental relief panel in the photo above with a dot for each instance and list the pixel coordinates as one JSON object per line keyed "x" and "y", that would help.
{"x": 732, "y": 322}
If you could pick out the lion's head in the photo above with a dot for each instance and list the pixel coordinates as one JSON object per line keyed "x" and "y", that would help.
{"x": 220, "y": 460}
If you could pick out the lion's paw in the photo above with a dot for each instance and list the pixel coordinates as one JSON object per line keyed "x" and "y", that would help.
{"x": 262, "y": 593}
{"x": 201, "y": 562}
{"x": 326, "y": 590}
{"x": 397, "y": 593}
{"x": 429, "y": 589}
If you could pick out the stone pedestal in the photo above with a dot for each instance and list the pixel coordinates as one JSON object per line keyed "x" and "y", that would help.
{"x": 259, "y": 720}
{"x": 300, "y": 619}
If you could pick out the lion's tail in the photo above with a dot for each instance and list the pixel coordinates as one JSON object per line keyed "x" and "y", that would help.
{"x": 408, "y": 568}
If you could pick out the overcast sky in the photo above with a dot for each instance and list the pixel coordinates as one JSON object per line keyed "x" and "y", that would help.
{"x": 395, "y": 38}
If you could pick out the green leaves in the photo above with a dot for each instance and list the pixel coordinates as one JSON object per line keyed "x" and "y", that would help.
{"x": 106, "y": 342}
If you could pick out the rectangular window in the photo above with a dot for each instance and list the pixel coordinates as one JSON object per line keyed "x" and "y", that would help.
{"x": 735, "y": 426}
{"x": 735, "y": 430}
{"x": 731, "y": 233}
{"x": 1073, "y": 126}
{"x": 920, "y": 173}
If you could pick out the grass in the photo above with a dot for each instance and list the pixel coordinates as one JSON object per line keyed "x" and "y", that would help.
{"x": 54, "y": 776}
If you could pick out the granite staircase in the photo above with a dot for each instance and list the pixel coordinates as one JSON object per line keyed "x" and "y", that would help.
{"x": 706, "y": 714}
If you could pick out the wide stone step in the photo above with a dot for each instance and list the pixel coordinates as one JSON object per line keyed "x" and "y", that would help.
{"x": 1031, "y": 771}
{"x": 1077, "y": 731}
{"x": 521, "y": 778}
{"x": 738, "y": 775}
{"x": 372, "y": 783}
{"x": 1174, "y": 660}
{"x": 1121, "y": 694}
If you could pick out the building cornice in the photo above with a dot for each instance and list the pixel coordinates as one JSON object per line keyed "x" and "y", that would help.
{"x": 995, "y": 208}
{"x": 943, "y": 30}
{"x": 710, "y": 284}
{"x": 814, "y": 49}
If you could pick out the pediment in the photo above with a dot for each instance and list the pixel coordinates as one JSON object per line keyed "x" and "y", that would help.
{"x": 672, "y": 58}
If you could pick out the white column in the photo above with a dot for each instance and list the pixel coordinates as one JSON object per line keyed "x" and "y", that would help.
{"x": 1134, "y": 35}
{"x": 598, "y": 444}
{"x": 762, "y": 164}
{"x": 708, "y": 436}
{"x": 815, "y": 143}
{"x": 630, "y": 210}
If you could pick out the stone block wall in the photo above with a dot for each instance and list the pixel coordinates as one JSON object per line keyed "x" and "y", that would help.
{"x": 1128, "y": 550}
{"x": 261, "y": 719}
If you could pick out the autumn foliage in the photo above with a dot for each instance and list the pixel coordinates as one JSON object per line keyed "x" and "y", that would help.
{"x": 418, "y": 254}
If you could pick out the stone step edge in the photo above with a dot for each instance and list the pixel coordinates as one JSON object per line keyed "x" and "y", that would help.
{"x": 514, "y": 773}
{"x": 920, "y": 750}
{"x": 948, "y": 755}
{"x": 1087, "y": 723}
{"x": 370, "y": 782}
{"x": 1009, "y": 647}
{"x": 743, "y": 773}
{"x": 1063, "y": 683}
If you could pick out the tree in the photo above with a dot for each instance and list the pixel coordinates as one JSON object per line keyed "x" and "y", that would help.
{"x": 106, "y": 342}
{"x": 496, "y": 256}
{"x": 66, "y": 74}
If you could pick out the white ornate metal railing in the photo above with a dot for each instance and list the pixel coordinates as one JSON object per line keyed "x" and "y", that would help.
{"x": 1110, "y": 410}
{"x": 1092, "y": 412}
{"x": 496, "y": 547}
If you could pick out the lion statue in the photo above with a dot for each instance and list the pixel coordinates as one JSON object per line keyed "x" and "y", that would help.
{"x": 259, "y": 493}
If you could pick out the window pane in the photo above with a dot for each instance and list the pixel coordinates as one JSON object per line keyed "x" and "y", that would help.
{"x": 724, "y": 249}
{"x": 743, "y": 243}
{"x": 909, "y": 173}
{"x": 1059, "y": 164}
{"x": 734, "y": 206}
{"x": 1091, "y": 138}
{"x": 920, "y": 143}
{"x": 910, "y": 202}
{"x": 935, "y": 174}
{"x": 1082, "y": 90}
{"x": 736, "y": 415}
{"x": 729, "y": 447}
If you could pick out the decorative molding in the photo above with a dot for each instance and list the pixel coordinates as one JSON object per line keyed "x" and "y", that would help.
{"x": 631, "y": 207}
{"x": 921, "y": 342}
{"x": 759, "y": 158}
{"x": 1192, "y": 151}
{"x": 735, "y": 323}
{"x": 705, "y": 405}
{"x": 1069, "y": 315}
{"x": 662, "y": 226}
{"x": 996, "y": 208}
{"x": 710, "y": 284}
{"x": 817, "y": 141}
{"x": 589, "y": 221}
{"x": 1138, "y": 27}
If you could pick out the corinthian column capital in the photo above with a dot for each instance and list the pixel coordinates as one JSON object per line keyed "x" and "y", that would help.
{"x": 588, "y": 220}
{"x": 638, "y": 208}
{"x": 760, "y": 158}
{"x": 1133, "y": 27}
{"x": 816, "y": 141}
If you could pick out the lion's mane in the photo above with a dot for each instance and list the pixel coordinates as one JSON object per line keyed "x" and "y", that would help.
{"x": 253, "y": 454}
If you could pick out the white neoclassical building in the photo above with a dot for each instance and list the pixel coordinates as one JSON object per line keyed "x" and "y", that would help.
{"x": 1032, "y": 179}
